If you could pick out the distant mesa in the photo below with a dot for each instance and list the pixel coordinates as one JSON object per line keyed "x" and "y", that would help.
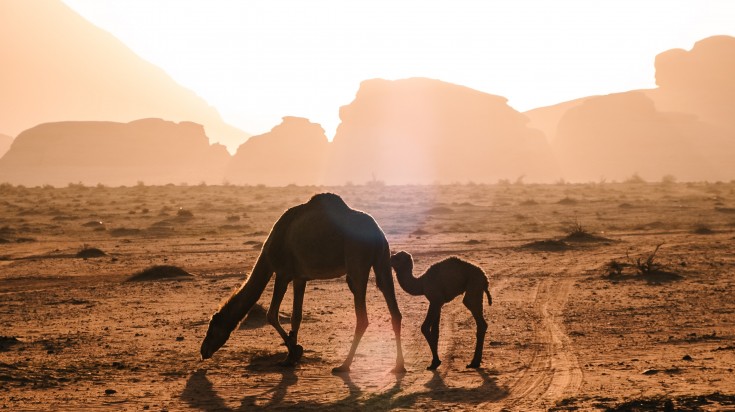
{"x": 699, "y": 81}
{"x": 421, "y": 130}
{"x": 685, "y": 127}
{"x": 546, "y": 119}
{"x": 294, "y": 152}
{"x": 152, "y": 151}
{"x": 73, "y": 70}
{"x": 620, "y": 134}
{"x": 5, "y": 142}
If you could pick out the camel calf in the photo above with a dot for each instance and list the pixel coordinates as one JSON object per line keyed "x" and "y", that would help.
{"x": 441, "y": 283}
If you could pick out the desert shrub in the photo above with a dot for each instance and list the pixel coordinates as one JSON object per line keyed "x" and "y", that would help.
{"x": 702, "y": 229}
{"x": 635, "y": 178}
{"x": 615, "y": 268}
{"x": 567, "y": 201}
{"x": 90, "y": 252}
{"x": 549, "y": 245}
{"x": 159, "y": 272}
{"x": 123, "y": 231}
{"x": 668, "y": 179}
{"x": 184, "y": 213}
{"x": 649, "y": 264}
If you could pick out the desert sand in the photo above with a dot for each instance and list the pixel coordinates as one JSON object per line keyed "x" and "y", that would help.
{"x": 585, "y": 316}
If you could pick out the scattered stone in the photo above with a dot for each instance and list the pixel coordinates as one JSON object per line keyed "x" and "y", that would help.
{"x": 179, "y": 338}
{"x": 110, "y": 391}
{"x": 687, "y": 358}
{"x": 650, "y": 371}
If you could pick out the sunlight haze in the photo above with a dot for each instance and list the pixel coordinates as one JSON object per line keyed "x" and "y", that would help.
{"x": 258, "y": 61}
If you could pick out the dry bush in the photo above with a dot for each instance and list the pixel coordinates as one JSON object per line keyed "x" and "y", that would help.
{"x": 90, "y": 252}
{"x": 159, "y": 272}
{"x": 702, "y": 229}
{"x": 649, "y": 264}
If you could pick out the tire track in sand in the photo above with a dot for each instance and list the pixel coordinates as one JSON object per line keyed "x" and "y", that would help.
{"x": 553, "y": 373}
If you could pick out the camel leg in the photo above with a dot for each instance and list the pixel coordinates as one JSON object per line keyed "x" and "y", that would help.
{"x": 294, "y": 350}
{"x": 430, "y": 329}
{"x": 473, "y": 302}
{"x": 279, "y": 290}
{"x": 358, "y": 286}
{"x": 384, "y": 280}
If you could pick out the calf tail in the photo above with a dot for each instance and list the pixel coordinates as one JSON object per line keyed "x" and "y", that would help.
{"x": 489, "y": 298}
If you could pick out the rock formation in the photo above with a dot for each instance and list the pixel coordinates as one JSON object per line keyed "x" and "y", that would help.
{"x": 617, "y": 135}
{"x": 685, "y": 127}
{"x": 699, "y": 81}
{"x": 152, "y": 151}
{"x": 293, "y": 152}
{"x": 5, "y": 142}
{"x": 59, "y": 67}
{"x": 422, "y": 130}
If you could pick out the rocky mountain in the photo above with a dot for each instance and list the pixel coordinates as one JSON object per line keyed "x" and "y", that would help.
{"x": 699, "y": 81}
{"x": 58, "y": 67}
{"x": 685, "y": 127}
{"x": 546, "y": 119}
{"x": 294, "y": 152}
{"x": 5, "y": 142}
{"x": 152, "y": 151}
{"x": 421, "y": 130}
{"x": 617, "y": 135}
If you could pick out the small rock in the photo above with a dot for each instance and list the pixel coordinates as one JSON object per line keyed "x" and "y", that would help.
{"x": 179, "y": 338}
{"x": 110, "y": 391}
{"x": 686, "y": 358}
{"x": 650, "y": 371}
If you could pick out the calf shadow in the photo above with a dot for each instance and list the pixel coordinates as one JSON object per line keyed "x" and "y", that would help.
{"x": 200, "y": 393}
{"x": 437, "y": 390}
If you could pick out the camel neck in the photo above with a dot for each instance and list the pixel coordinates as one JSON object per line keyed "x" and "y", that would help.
{"x": 409, "y": 283}
{"x": 235, "y": 309}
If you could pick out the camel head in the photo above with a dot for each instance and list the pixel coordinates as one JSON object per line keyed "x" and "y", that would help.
{"x": 401, "y": 261}
{"x": 217, "y": 334}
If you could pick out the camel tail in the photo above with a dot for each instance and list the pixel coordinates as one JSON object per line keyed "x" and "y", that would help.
{"x": 489, "y": 298}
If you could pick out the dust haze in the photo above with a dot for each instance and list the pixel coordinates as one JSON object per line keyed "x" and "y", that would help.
{"x": 130, "y": 211}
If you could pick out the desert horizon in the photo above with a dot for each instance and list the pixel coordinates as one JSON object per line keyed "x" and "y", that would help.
{"x": 235, "y": 206}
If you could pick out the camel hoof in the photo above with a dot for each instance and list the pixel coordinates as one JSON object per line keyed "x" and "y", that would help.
{"x": 473, "y": 365}
{"x": 296, "y": 352}
{"x": 434, "y": 364}
{"x": 341, "y": 369}
{"x": 398, "y": 370}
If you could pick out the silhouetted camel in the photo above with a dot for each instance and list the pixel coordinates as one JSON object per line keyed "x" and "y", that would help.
{"x": 441, "y": 283}
{"x": 320, "y": 239}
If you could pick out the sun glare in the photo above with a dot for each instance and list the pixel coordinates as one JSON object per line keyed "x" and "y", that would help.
{"x": 257, "y": 61}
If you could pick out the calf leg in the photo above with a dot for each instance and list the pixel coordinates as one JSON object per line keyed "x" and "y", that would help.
{"x": 473, "y": 302}
{"x": 430, "y": 329}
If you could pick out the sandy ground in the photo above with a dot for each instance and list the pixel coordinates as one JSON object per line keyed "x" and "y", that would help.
{"x": 575, "y": 325}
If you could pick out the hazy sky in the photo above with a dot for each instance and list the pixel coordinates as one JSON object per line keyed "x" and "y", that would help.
{"x": 257, "y": 61}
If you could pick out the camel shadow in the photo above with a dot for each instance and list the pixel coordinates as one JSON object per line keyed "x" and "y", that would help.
{"x": 439, "y": 391}
{"x": 199, "y": 393}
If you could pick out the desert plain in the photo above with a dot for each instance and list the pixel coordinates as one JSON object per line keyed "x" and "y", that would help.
{"x": 606, "y": 296}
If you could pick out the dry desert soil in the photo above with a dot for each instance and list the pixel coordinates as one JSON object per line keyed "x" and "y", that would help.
{"x": 587, "y": 313}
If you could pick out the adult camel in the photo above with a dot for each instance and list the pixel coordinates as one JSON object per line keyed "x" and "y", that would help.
{"x": 320, "y": 239}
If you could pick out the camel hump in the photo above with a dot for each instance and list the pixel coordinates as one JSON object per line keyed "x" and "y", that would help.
{"x": 329, "y": 200}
